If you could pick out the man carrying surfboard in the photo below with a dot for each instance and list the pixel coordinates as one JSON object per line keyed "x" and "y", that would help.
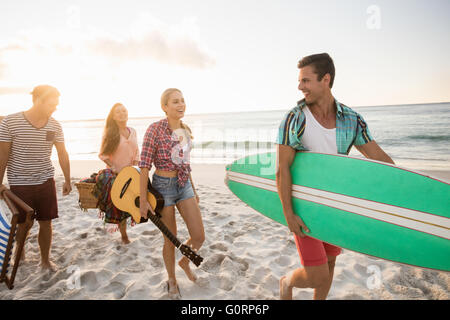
{"x": 319, "y": 123}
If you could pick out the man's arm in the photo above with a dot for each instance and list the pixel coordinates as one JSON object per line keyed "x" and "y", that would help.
{"x": 5, "y": 148}
{"x": 285, "y": 157}
{"x": 64, "y": 162}
{"x": 373, "y": 151}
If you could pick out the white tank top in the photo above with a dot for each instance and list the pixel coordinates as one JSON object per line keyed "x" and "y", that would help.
{"x": 317, "y": 138}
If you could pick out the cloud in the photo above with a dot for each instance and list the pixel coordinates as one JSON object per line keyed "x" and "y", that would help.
{"x": 41, "y": 51}
{"x": 22, "y": 55}
{"x": 39, "y": 41}
{"x": 184, "y": 52}
{"x": 150, "y": 38}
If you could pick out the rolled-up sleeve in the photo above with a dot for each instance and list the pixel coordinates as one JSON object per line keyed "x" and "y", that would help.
{"x": 291, "y": 129}
{"x": 363, "y": 135}
{"x": 148, "y": 148}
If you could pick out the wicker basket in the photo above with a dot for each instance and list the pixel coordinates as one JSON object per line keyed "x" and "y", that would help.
{"x": 87, "y": 199}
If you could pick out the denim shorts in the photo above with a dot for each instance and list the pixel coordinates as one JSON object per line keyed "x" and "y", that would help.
{"x": 171, "y": 191}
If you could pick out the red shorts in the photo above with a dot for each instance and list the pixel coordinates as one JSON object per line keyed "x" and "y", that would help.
{"x": 314, "y": 252}
{"x": 41, "y": 197}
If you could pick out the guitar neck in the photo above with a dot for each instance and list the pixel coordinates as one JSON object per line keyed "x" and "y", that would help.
{"x": 161, "y": 226}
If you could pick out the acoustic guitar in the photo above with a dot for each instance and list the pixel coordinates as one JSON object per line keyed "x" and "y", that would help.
{"x": 125, "y": 195}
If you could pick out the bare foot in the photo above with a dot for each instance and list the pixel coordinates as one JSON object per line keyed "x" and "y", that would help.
{"x": 285, "y": 289}
{"x": 123, "y": 232}
{"x": 49, "y": 266}
{"x": 173, "y": 289}
{"x": 184, "y": 264}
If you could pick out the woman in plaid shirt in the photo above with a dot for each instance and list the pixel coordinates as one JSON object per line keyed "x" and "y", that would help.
{"x": 167, "y": 144}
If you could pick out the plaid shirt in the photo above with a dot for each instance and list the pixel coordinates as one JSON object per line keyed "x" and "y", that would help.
{"x": 162, "y": 147}
{"x": 351, "y": 129}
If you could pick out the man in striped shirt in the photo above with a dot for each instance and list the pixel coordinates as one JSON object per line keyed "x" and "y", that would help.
{"x": 26, "y": 143}
{"x": 318, "y": 123}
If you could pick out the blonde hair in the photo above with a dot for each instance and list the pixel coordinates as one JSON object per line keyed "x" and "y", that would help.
{"x": 44, "y": 91}
{"x": 165, "y": 99}
{"x": 166, "y": 95}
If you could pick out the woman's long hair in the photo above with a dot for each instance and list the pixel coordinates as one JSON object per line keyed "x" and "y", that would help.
{"x": 111, "y": 134}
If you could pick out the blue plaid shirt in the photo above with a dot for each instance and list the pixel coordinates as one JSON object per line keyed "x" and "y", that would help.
{"x": 351, "y": 129}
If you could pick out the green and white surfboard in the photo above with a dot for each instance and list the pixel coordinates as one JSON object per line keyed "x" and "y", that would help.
{"x": 361, "y": 205}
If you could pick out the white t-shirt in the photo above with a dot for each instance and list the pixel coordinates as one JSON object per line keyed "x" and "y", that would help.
{"x": 316, "y": 138}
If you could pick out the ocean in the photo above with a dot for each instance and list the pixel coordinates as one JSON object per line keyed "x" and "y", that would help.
{"x": 415, "y": 136}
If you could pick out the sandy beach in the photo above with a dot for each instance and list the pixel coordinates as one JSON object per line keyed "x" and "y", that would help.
{"x": 245, "y": 254}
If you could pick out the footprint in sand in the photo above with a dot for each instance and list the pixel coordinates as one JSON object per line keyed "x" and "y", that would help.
{"x": 282, "y": 261}
{"x": 269, "y": 282}
{"x": 151, "y": 232}
{"x": 135, "y": 268}
{"x": 89, "y": 281}
{"x": 259, "y": 273}
{"x": 228, "y": 238}
{"x": 238, "y": 233}
{"x": 361, "y": 270}
{"x": 347, "y": 275}
{"x": 155, "y": 279}
{"x": 409, "y": 281}
{"x": 226, "y": 283}
{"x": 116, "y": 289}
{"x": 202, "y": 282}
{"x": 219, "y": 246}
{"x": 212, "y": 262}
{"x": 155, "y": 262}
{"x": 411, "y": 293}
{"x": 137, "y": 294}
{"x": 234, "y": 264}
{"x": 83, "y": 235}
{"x": 50, "y": 278}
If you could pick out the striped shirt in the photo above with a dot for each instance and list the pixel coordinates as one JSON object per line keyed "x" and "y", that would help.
{"x": 29, "y": 160}
{"x": 351, "y": 129}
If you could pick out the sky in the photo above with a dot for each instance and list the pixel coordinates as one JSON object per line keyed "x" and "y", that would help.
{"x": 225, "y": 56}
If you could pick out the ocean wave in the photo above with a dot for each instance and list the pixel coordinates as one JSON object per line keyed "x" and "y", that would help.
{"x": 435, "y": 138}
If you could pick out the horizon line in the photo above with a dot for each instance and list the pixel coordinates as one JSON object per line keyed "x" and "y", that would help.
{"x": 250, "y": 111}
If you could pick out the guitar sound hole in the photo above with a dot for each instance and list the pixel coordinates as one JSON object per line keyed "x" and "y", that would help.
{"x": 137, "y": 202}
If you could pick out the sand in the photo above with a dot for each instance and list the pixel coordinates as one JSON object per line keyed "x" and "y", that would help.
{"x": 245, "y": 255}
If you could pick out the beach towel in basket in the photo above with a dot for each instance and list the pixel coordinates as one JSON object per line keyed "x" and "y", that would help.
{"x": 9, "y": 216}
